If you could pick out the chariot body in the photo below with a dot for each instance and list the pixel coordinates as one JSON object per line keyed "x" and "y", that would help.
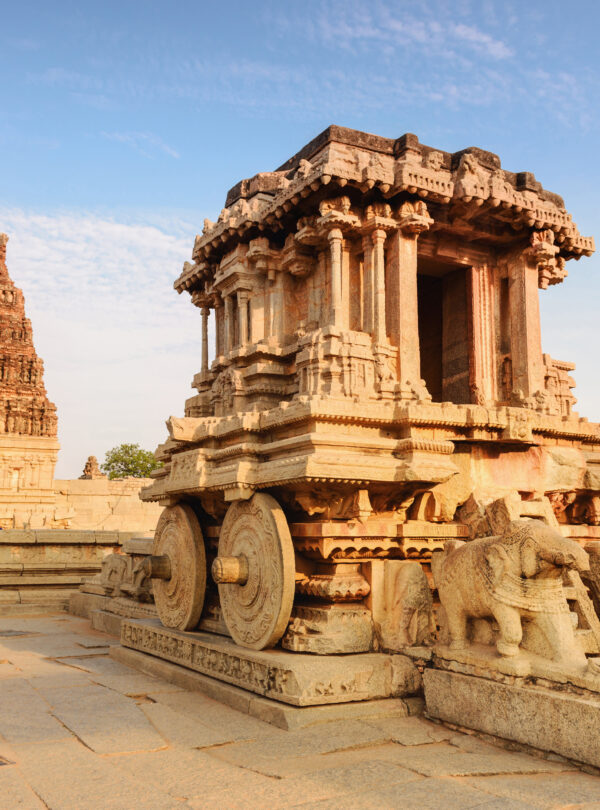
{"x": 378, "y": 387}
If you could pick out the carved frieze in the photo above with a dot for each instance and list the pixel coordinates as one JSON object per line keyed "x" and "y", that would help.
{"x": 276, "y": 674}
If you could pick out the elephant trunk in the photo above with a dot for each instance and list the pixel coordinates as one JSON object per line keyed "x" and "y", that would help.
{"x": 566, "y": 553}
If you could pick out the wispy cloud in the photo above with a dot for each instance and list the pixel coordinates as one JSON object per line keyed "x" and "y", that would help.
{"x": 346, "y": 24}
{"x": 418, "y": 54}
{"x": 70, "y": 79}
{"x": 119, "y": 345}
{"x": 146, "y": 143}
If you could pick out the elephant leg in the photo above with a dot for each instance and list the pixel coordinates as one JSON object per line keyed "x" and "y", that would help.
{"x": 561, "y": 643}
{"x": 511, "y": 631}
{"x": 404, "y": 627}
{"x": 457, "y": 626}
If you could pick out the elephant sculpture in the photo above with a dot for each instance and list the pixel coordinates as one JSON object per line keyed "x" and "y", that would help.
{"x": 516, "y": 579}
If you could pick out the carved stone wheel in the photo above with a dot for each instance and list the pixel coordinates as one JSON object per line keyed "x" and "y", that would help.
{"x": 255, "y": 571}
{"x": 179, "y": 597}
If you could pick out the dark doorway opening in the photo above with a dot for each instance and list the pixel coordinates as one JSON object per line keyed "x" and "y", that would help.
{"x": 444, "y": 331}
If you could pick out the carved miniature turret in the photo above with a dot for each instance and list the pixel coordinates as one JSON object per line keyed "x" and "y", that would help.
{"x": 91, "y": 470}
{"x": 24, "y": 405}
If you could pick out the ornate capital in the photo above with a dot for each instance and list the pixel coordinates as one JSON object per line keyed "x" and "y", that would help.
{"x": 543, "y": 253}
{"x": 202, "y": 299}
{"x": 413, "y": 217}
{"x": 336, "y": 214}
{"x": 378, "y": 236}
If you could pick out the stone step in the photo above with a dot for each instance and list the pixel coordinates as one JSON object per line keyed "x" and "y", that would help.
{"x": 299, "y": 679}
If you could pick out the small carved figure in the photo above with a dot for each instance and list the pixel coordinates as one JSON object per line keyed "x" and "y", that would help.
{"x": 433, "y": 160}
{"x": 411, "y": 609}
{"x": 304, "y": 168}
{"x": 471, "y": 179}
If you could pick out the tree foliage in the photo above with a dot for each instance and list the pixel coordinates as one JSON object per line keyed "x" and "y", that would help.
{"x": 129, "y": 460}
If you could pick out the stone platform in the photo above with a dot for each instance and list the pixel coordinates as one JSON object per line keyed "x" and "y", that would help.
{"x": 293, "y": 678}
{"x": 40, "y": 570}
{"x": 549, "y": 720}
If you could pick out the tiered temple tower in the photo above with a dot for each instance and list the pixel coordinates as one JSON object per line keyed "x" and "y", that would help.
{"x": 28, "y": 422}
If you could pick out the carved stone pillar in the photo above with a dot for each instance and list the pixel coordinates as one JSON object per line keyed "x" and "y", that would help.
{"x": 525, "y": 332}
{"x": 229, "y": 325}
{"x": 218, "y": 326}
{"x": 401, "y": 284}
{"x": 335, "y": 238}
{"x": 275, "y": 304}
{"x": 368, "y": 284}
{"x": 482, "y": 335}
{"x": 379, "y": 321}
{"x": 205, "y": 312}
{"x": 242, "y": 302}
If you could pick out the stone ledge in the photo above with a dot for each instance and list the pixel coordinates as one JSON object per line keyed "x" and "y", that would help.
{"x": 51, "y": 537}
{"x": 559, "y": 722}
{"x": 299, "y": 679}
{"x": 270, "y": 711}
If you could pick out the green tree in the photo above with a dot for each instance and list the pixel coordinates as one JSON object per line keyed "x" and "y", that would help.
{"x": 129, "y": 460}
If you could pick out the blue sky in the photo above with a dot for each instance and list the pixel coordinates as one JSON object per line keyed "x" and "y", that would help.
{"x": 122, "y": 125}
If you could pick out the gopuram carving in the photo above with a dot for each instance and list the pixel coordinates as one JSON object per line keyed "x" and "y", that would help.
{"x": 24, "y": 406}
{"x": 28, "y": 423}
{"x": 376, "y": 402}
{"x": 91, "y": 470}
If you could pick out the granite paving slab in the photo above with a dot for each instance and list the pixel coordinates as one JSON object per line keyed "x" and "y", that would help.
{"x": 441, "y": 759}
{"x": 427, "y": 794}
{"x": 411, "y": 730}
{"x": 542, "y": 790}
{"x": 15, "y": 792}
{"x": 68, "y": 776}
{"x": 103, "y": 720}
{"x": 25, "y": 716}
{"x": 189, "y": 732}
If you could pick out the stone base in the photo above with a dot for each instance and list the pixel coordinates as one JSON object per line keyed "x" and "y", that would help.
{"x": 549, "y": 720}
{"x": 40, "y": 570}
{"x": 294, "y": 678}
{"x": 91, "y": 605}
{"x": 33, "y": 608}
{"x": 329, "y": 629}
{"x": 82, "y": 604}
{"x": 483, "y": 660}
{"x": 106, "y": 622}
{"x": 269, "y": 711}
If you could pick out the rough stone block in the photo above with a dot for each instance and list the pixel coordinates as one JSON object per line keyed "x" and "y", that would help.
{"x": 563, "y": 723}
{"x": 82, "y": 604}
{"x": 106, "y": 622}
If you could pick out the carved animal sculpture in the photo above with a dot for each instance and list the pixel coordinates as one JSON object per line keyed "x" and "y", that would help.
{"x": 514, "y": 576}
{"x": 412, "y": 606}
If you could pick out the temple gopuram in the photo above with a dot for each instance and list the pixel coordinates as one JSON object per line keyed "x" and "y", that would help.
{"x": 381, "y": 461}
{"x": 30, "y": 497}
{"x": 28, "y": 422}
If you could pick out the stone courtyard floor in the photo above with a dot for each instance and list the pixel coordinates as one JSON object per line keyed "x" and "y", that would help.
{"x": 79, "y": 731}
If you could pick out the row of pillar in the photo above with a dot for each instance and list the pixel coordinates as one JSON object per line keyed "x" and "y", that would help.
{"x": 226, "y": 341}
{"x": 397, "y": 317}
{"x": 391, "y": 311}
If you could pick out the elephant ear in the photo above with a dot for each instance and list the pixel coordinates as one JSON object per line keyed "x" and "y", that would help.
{"x": 497, "y": 558}
{"x": 530, "y": 564}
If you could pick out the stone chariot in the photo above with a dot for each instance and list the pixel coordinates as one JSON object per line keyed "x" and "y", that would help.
{"x": 377, "y": 388}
